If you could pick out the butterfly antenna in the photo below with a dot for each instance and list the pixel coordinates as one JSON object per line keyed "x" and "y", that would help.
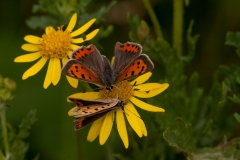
{"x": 106, "y": 96}
{"x": 121, "y": 108}
{"x": 130, "y": 90}
{"x": 133, "y": 114}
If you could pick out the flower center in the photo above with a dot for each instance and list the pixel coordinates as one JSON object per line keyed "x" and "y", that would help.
{"x": 123, "y": 91}
{"x": 56, "y": 43}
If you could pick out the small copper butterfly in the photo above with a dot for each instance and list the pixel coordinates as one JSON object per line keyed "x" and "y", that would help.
{"x": 87, "y": 64}
{"x": 88, "y": 111}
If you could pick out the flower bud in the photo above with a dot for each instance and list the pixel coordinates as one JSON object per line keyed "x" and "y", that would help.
{"x": 5, "y": 95}
{"x": 143, "y": 30}
{"x": 9, "y": 84}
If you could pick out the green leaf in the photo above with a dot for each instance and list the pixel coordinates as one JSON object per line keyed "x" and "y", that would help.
{"x": 26, "y": 124}
{"x": 237, "y": 116}
{"x": 233, "y": 39}
{"x": 42, "y": 22}
{"x": 237, "y": 154}
{"x": 224, "y": 150}
{"x": 235, "y": 99}
{"x": 134, "y": 22}
{"x": 193, "y": 82}
{"x": 180, "y": 136}
{"x": 224, "y": 70}
{"x": 192, "y": 41}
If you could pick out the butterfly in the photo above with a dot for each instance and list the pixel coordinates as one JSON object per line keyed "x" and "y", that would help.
{"x": 88, "y": 111}
{"x": 87, "y": 64}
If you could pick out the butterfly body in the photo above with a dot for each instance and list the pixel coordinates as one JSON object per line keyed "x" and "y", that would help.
{"x": 88, "y": 111}
{"x": 87, "y": 64}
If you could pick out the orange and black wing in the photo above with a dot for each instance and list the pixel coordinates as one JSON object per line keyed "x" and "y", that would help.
{"x": 139, "y": 66}
{"x": 73, "y": 68}
{"x": 124, "y": 54}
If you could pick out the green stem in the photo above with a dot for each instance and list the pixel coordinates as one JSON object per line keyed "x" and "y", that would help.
{"x": 4, "y": 129}
{"x": 178, "y": 7}
{"x": 154, "y": 19}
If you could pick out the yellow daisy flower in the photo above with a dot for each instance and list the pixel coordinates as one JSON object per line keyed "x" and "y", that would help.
{"x": 54, "y": 45}
{"x": 126, "y": 92}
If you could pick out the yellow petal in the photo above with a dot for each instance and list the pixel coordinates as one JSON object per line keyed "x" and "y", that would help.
{"x": 72, "y": 22}
{"x": 47, "y": 80}
{"x": 69, "y": 53}
{"x": 146, "y": 106}
{"x": 73, "y": 46}
{"x": 95, "y": 129}
{"x": 150, "y": 86}
{"x": 73, "y": 82}
{"x": 86, "y": 95}
{"x": 131, "y": 117}
{"x": 141, "y": 79}
{"x": 28, "y": 57}
{"x": 91, "y": 35}
{"x": 106, "y": 128}
{"x": 87, "y": 38}
{"x": 70, "y": 112}
{"x": 30, "y": 47}
{"x": 33, "y": 39}
{"x": 83, "y": 28}
{"x": 35, "y": 68}
{"x": 138, "y": 119}
{"x": 78, "y": 40}
{"x": 49, "y": 29}
{"x": 121, "y": 126}
{"x": 56, "y": 73}
{"x": 144, "y": 92}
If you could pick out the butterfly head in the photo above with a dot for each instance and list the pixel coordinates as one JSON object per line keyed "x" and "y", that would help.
{"x": 109, "y": 87}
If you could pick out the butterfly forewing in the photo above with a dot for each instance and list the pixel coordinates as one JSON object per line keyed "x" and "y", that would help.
{"x": 89, "y": 108}
{"x": 90, "y": 57}
{"x": 124, "y": 55}
{"x": 81, "y": 122}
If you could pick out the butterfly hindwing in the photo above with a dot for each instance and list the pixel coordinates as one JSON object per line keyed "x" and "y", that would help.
{"x": 81, "y": 122}
{"x": 124, "y": 54}
{"x": 139, "y": 66}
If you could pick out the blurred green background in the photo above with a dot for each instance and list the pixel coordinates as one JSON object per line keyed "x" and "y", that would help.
{"x": 52, "y": 136}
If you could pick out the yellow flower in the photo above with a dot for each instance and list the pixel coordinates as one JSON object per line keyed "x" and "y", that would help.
{"x": 126, "y": 92}
{"x": 54, "y": 45}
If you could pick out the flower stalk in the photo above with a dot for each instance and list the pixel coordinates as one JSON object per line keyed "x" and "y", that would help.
{"x": 4, "y": 128}
{"x": 178, "y": 7}
{"x": 154, "y": 19}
